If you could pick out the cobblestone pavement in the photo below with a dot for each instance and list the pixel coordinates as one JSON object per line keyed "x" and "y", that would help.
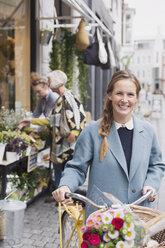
{"x": 41, "y": 226}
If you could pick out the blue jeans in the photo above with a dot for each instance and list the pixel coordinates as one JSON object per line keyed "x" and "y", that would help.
{"x": 57, "y": 176}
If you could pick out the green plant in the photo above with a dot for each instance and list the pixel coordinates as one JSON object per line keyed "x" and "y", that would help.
{"x": 9, "y": 119}
{"x": 1, "y": 137}
{"x": 45, "y": 134}
{"x": 64, "y": 51}
{"x": 28, "y": 182}
{"x": 65, "y": 57}
{"x": 82, "y": 77}
{"x": 11, "y": 135}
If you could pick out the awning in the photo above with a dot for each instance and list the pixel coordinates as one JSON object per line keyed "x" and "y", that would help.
{"x": 84, "y": 9}
{"x": 85, "y": 12}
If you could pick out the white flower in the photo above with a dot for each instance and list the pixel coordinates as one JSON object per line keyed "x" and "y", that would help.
{"x": 129, "y": 226}
{"x": 114, "y": 235}
{"x": 119, "y": 214}
{"x": 106, "y": 237}
{"x": 130, "y": 243}
{"x": 121, "y": 244}
{"x": 107, "y": 218}
{"x": 130, "y": 235}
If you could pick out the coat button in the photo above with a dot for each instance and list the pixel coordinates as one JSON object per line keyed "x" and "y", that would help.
{"x": 133, "y": 190}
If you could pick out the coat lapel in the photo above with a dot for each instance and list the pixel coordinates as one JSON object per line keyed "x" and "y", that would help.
{"x": 137, "y": 147}
{"x": 116, "y": 148}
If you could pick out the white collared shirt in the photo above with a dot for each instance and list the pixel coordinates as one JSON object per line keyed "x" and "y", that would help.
{"x": 128, "y": 125}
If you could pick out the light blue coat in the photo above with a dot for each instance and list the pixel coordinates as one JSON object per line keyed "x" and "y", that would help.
{"x": 111, "y": 175}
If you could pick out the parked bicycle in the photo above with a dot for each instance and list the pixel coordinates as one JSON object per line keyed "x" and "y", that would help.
{"x": 73, "y": 217}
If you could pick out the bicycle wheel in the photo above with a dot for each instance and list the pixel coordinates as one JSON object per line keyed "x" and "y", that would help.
{"x": 67, "y": 227}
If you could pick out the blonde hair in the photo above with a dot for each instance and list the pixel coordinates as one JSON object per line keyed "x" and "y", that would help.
{"x": 35, "y": 79}
{"x": 106, "y": 121}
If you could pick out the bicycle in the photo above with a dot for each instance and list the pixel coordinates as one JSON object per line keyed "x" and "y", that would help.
{"x": 73, "y": 218}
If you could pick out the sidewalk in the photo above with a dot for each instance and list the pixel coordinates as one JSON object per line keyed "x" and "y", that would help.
{"x": 40, "y": 226}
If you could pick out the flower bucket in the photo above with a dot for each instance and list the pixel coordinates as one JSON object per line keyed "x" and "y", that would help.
{"x": 11, "y": 221}
{"x": 11, "y": 156}
{"x": 2, "y": 150}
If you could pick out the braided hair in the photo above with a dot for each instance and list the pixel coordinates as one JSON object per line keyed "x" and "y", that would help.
{"x": 107, "y": 119}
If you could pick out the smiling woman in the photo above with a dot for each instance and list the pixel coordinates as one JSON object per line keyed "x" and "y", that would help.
{"x": 124, "y": 98}
{"x": 119, "y": 147}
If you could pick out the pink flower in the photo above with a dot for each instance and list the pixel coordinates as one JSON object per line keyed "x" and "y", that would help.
{"x": 98, "y": 217}
{"x": 84, "y": 244}
{"x": 90, "y": 222}
{"x": 83, "y": 229}
{"x": 111, "y": 212}
{"x": 118, "y": 223}
{"x": 97, "y": 225}
{"x": 94, "y": 239}
{"x": 89, "y": 228}
{"x": 105, "y": 228}
{"x": 86, "y": 236}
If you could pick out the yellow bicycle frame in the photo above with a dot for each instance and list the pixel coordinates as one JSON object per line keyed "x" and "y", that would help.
{"x": 77, "y": 212}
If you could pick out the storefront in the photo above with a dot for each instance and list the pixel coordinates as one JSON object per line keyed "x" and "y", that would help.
{"x": 15, "y": 54}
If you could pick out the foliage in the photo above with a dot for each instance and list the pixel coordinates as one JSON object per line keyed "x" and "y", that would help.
{"x": 16, "y": 142}
{"x": 10, "y": 135}
{"x": 65, "y": 57}
{"x": 35, "y": 139}
{"x": 82, "y": 77}
{"x": 9, "y": 119}
{"x": 17, "y": 145}
{"x": 28, "y": 182}
{"x": 2, "y": 138}
{"x": 45, "y": 134}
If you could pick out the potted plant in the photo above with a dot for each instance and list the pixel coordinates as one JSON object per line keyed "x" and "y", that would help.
{"x": 15, "y": 149}
{"x": 17, "y": 144}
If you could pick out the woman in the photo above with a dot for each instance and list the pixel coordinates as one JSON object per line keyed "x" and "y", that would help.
{"x": 62, "y": 147}
{"x": 121, "y": 150}
{"x": 46, "y": 98}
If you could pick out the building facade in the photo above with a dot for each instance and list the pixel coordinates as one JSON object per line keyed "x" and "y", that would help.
{"x": 23, "y": 49}
{"x": 15, "y": 54}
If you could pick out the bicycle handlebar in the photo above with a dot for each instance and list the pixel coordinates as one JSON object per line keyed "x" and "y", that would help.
{"x": 86, "y": 200}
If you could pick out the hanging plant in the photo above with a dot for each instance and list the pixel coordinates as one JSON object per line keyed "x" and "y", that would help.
{"x": 82, "y": 77}
{"x": 65, "y": 57}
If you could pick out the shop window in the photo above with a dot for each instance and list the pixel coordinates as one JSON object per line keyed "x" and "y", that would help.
{"x": 14, "y": 57}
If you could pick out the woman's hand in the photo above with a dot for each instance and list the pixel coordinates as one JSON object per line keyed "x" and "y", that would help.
{"x": 71, "y": 138}
{"x": 59, "y": 194}
{"x": 24, "y": 123}
{"x": 152, "y": 196}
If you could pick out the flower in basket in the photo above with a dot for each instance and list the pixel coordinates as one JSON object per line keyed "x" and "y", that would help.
{"x": 118, "y": 228}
